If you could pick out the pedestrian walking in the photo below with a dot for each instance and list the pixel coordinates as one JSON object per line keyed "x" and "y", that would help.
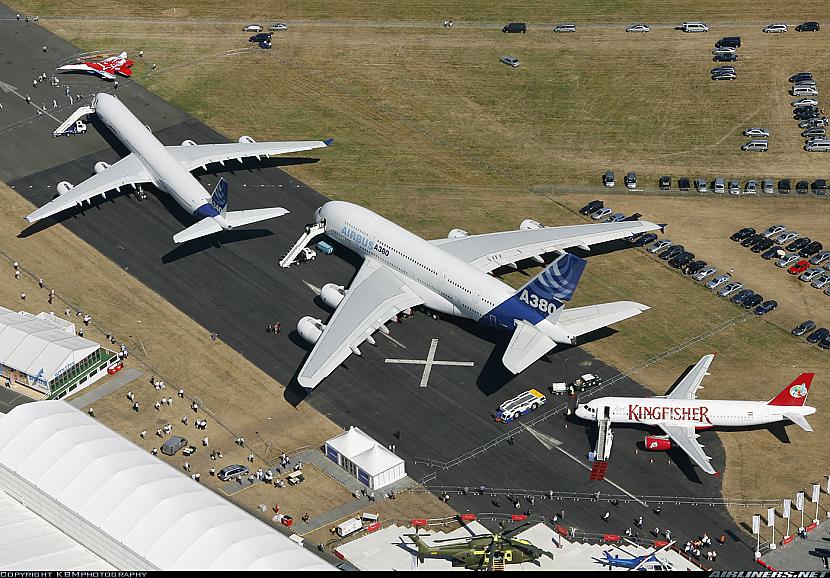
{"x": 40, "y": 282}
{"x": 184, "y": 420}
{"x": 181, "y": 392}
{"x": 154, "y": 451}
{"x": 657, "y": 510}
{"x": 277, "y": 327}
{"x": 143, "y": 434}
{"x": 212, "y": 471}
{"x": 158, "y": 433}
{"x": 187, "y": 466}
{"x": 91, "y": 412}
{"x": 640, "y": 522}
{"x": 605, "y": 516}
{"x": 17, "y": 274}
{"x": 205, "y": 442}
{"x": 130, "y": 395}
{"x": 251, "y": 457}
{"x": 157, "y": 406}
{"x": 141, "y": 54}
{"x": 136, "y": 407}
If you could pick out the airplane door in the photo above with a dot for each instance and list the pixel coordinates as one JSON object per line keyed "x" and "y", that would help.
{"x": 508, "y": 556}
{"x": 606, "y": 412}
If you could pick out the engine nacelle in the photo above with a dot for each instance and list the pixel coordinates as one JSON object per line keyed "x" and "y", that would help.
{"x": 528, "y": 224}
{"x": 457, "y": 234}
{"x": 101, "y": 166}
{"x": 188, "y": 143}
{"x": 64, "y": 187}
{"x": 658, "y": 443}
{"x": 332, "y": 294}
{"x": 310, "y": 329}
{"x": 246, "y": 140}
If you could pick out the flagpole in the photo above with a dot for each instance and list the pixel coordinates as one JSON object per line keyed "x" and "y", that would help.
{"x": 772, "y": 538}
{"x": 817, "y": 493}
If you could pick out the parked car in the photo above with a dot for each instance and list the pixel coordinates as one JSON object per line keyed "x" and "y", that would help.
{"x": 693, "y": 267}
{"x": 232, "y": 471}
{"x": 741, "y": 295}
{"x": 671, "y": 252}
{"x": 818, "y": 335}
{"x": 602, "y": 213}
{"x": 724, "y": 76}
{"x": 723, "y": 50}
{"x": 762, "y": 245}
{"x": 173, "y": 445}
{"x": 683, "y": 184}
{"x": 615, "y": 218}
{"x": 252, "y": 28}
{"x": 729, "y": 57}
{"x": 664, "y": 183}
{"x": 565, "y": 28}
{"x": 704, "y": 273}
{"x": 768, "y": 186}
{"x": 638, "y": 28}
{"x": 806, "y": 101}
{"x": 766, "y": 307}
{"x": 659, "y": 245}
{"x": 645, "y": 239}
{"x": 751, "y": 187}
{"x": 278, "y": 26}
{"x": 742, "y": 234}
{"x": 803, "y": 328}
{"x": 511, "y": 61}
{"x": 772, "y": 252}
{"x": 756, "y": 145}
{"x": 787, "y": 260}
{"x": 811, "y": 122}
{"x": 811, "y": 249}
{"x": 825, "y": 343}
{"x": 799, "y": 244}
{"x": 804, "y": 91}
{"x": 774, "y": 28}
{"x": 729, "y": 42}
{"x": 799, "y": 76}
{"x": 730, "y": 289}
{"x": 818, "y": 131}
{"x": 722, "y": 69}
{"x": 681, "y": 259}
{"x": 700, "y": 185}
{"x": 260, "y": 37}
{"x": 755, "y": 131}
{"x": 786, "y": 237}
{"x": 608, "y": 179}
{"x": 784, "y": 186}
{"x": 734, "y": 187}
{"x": 820, "y": 281}
{"x": 719, "y": 185}
{"x": 717, "y": 281}
{"x": 693, "y": 27}
{"x": 820, "y": 258}
{"x": 817, "y": 146}
{"x": 801, "y": 187}
{"x": 630, "y": 180}
{"x": 591, "y": 207}
{"x": 773, "y": 231}
{"x": 515, "y": 27}
{"x": 808, "y": 27}
{"x": 799, "y": 267}
{"x": 810, "y": 274}
{"x": 751, "y": 240}
{"x": 753, "y": 301}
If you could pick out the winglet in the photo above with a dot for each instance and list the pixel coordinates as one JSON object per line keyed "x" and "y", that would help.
{"x": 328, "y": 142}
{"x": 662, "y": 227}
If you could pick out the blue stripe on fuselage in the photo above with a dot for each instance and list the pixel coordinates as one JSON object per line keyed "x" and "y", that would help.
{"x": 505, "y": 314}
{"x": 206, "y": 210}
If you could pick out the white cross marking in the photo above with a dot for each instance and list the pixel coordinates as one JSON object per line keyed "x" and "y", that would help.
{"x": 429, "y": 362}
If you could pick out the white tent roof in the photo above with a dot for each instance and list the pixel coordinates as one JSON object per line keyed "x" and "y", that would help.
{"x": 376, "y": 460}
{"x": 156, "y": 511}
{"x": 30, "y": 345}
{"x": 28, "y": 542}
{"x": 351, "y": 442}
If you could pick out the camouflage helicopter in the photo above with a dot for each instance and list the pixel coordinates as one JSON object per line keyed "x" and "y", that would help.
{"x": 482, "y": 551}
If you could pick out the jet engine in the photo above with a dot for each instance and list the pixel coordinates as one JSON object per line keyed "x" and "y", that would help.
{"x": 457, "y": 234}
{"x": 310, "y": 329}
{"x": 658, "y": 443}
{"x": 332, "y": 294}
{"x": 101, "y": 166}
{"x": 246, "y": 140}
{"x": 64, "y": 187}
{"x": 188, "y": 143}
{"x": 528, "y": 224}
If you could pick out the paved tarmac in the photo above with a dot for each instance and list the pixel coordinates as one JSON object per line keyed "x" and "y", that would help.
{"x": 116, "y": 382}
{"x": 10, "y": 399}
{"x": 231, "y": 284}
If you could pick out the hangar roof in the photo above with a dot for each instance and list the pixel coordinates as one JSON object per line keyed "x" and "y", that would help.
{"x": 156, "y": 511}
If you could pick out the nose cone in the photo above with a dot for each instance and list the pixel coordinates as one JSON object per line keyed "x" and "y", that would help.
{"x": 582, "y": 413}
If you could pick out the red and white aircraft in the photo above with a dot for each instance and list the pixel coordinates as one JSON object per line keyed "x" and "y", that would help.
{"x": 680, "y": 413}
{"x": 106, "y": 68}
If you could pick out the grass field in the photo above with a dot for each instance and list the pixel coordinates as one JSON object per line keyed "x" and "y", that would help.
{"x": 433, "y": 132}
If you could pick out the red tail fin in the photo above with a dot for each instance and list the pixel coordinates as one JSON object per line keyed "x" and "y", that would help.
{"x": 796, "y": 392}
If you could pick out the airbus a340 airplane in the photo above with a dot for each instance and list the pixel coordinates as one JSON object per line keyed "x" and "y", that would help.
{"x": 680, "y": 413}
{"x": 106, "y": 68}
{"x": 401, "y": 270}
{"x": 168, "y": 168}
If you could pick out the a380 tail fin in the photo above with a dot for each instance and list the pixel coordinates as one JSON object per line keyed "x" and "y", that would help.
{"x": 219, "y": 198}
{"x": 544, "y": 294}
{"x": 795, "y": 393}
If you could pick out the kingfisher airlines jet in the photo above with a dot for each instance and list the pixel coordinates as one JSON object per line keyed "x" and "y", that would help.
{"x": 168, "y": 168}
{"x": 680, "y": 413}
{"x": 401, "y": 270}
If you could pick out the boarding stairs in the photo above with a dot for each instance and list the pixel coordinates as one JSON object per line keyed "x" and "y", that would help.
{"x": 604, "y": 439}
{"x": 311, "y": 230}
{"x": 498, "y": 564}
{"x": 68, "y": 126}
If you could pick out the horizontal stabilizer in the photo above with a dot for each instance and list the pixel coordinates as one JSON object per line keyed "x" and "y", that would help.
{"x": 799, "y": 420}
{"x": 206, "y": 226}
{"x": 233, "y": 219}
{"x": 527, "y": 345}
{"x": 581, "y": 320}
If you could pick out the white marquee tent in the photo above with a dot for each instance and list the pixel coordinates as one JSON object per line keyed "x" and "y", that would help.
{"x": 371, "y": 463}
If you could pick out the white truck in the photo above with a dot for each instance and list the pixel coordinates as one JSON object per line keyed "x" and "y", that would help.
{"x": 580, "y": 384}
{"x": 520, "y": 405}
{"x": 350, "y": 526}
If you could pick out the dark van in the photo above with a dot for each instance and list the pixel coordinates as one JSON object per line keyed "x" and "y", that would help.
{"x": 729, "y": 41}
{"x": 261, "y": 37}
{"x": 515, "y": 27}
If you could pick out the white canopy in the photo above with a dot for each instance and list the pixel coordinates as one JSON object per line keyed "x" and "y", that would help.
{"x": 376, "y": 460}
{"x": 351, "y": 442}
{"x": 151, "y": 508}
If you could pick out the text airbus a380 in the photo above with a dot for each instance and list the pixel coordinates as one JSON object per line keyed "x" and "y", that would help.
{"x": 168, "y": 168}
{"x": 401, "y": 270}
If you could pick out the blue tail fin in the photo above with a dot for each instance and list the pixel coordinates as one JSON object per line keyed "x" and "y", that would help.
{"x": 542, "y": 296}
{"x": 219, "y": 198}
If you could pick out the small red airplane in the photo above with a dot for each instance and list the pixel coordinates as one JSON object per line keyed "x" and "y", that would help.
{"x": 106, "y": 68}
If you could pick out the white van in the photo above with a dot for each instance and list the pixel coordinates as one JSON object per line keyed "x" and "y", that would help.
{"x": 801, "y": 90}
{"x": 694, "y": 27}
{"x": 756, "y": 145}
{"x": 817, "y": 146}
{"x": 719, "y": 186}
{"x": 350, "y": 526}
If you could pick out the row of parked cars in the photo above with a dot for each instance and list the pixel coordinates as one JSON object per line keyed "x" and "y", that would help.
{"x": 806, "y": 112}
{"x": 799, "y": 255}
{"x": 599, "y": 212}
{"x": 821, "y": 336}
{"x": 732, "y": 186}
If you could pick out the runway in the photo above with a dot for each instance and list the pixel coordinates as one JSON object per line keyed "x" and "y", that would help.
{"x": 231, "y": 284}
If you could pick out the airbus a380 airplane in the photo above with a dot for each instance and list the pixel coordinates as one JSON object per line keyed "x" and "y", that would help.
{"x": 680, "y": 413}
{"x": 401, "y": 270}
{"x": 168, "y": 168}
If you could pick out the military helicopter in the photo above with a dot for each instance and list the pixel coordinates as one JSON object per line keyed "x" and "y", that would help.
{"x": 482, "y": 551}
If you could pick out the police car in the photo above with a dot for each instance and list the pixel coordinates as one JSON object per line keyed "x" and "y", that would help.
{"x": 520, "y": 405}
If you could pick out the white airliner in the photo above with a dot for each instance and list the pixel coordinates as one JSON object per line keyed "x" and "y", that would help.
{"x": 680, "y": 413}
{"x": 401, "y": 270}
{"x": 168, "y": 168}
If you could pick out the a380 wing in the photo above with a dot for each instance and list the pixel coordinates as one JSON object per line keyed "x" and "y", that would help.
{"x": 375, "y": 296}
{"x": 688, "y": 387}
{"x": 489, "y": 251}
{"x": 686, "y": 438}
{"x": 194, "y": 156}
{"x": 127, "y": 171}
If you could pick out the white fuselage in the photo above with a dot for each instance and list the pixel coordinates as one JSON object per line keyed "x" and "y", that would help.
{"x": 166, "y": 172}
{"x": 445, "y": 283}
{"x": 698, "y": 413}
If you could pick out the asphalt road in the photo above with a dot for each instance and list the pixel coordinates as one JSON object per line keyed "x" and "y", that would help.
{"x": 231, "y": 284}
